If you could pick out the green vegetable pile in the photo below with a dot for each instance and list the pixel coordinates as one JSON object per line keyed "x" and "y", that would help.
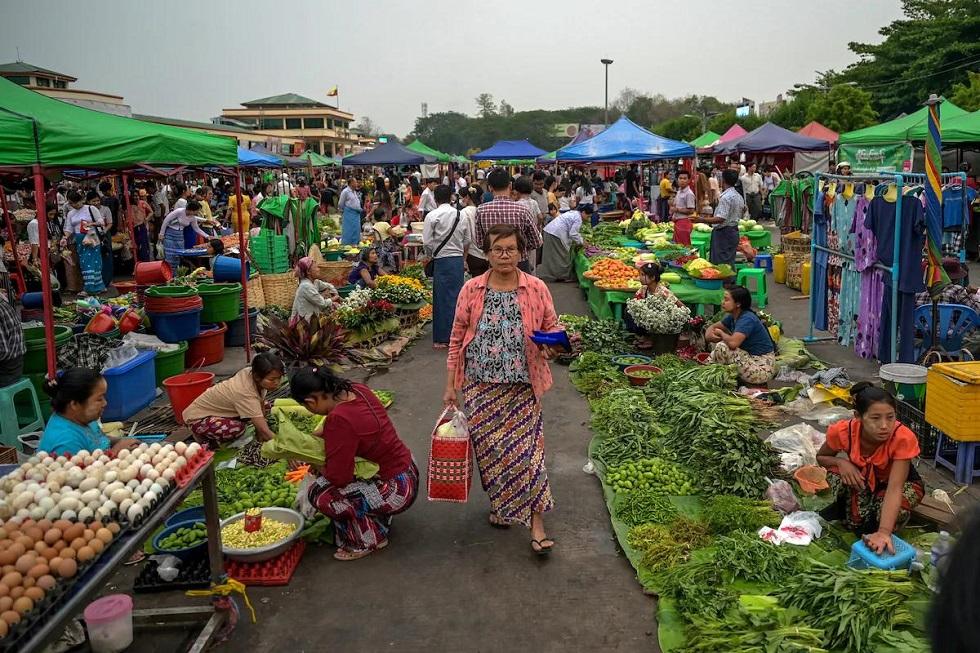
{"x": 654, "y": 475}
{"x": 594, "y": 374}
{"x": 624, "y": 424}
{"x": 386, "y": 397}
{"x": 645, "y": 506}
{"x": 248, "y": 487}
{"x": 667, "y": 545}
{"x": 755, "y": 625}
{"x": 726, "y": 514}
{"x": 184, "y": 538}
{"x": 606, "y": 337}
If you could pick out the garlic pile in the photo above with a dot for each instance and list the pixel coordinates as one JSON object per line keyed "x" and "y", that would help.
{"x": 93, "y": 485}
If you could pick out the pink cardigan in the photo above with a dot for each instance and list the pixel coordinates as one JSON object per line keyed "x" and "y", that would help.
{"x": 537, "y": 314}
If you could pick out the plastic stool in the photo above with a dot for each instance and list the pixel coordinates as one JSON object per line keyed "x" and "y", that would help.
{"x": 964, "y": 465}
{"x": 759, "y": 296}
{"x": 10, "y": 422}
{"x": 764, "y": 259}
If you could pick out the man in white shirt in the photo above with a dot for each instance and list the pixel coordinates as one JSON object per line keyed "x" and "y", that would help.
{"x": 480, "y": 174}
{"x": 427, "y": 202}
{"x": 284, "y": 187}
{"x": 752, "y": 189}
{"x": 460, "y": 183}
{"x": 561, "y": 232}
{"x": 446, "y": 239}
{"x": 349, "y": 206}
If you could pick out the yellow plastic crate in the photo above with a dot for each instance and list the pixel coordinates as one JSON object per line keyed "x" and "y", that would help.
{"x": 953, "y": 399}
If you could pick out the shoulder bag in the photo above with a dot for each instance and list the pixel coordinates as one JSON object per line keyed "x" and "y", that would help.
{"x": 430, "y": 265}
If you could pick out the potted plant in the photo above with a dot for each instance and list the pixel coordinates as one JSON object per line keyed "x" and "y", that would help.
{"x": 300, "y": 342}
{"x": 662, "y": 317}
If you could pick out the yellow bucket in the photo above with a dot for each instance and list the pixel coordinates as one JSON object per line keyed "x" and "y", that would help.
{"x": 805, "y": 280}
{"x": 779, "y": 268}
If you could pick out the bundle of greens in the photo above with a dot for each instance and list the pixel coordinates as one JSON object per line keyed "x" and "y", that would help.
{"x": 624, "y": 423}
{"x": 635, "y": 508}
{"x": 698, "y": 589}
{"x": 672, "y": 363}
{"x": 606, "y": 337}
{"x": 726, "y": 514}
{"x": 594, "y": 374}
{"x": 604, "y": 234}
{"x": 755, "y": 625}
{"x": 573, "y": 323}
{"x": 667, "y": 545}
{"x": 854, "y": 607}
{"x": 747, "y": 557}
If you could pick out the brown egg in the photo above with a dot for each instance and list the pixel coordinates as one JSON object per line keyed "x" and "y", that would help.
{"x": 27, "y": 523}
{"x": 4, "y": 628}
{"x": 44, "y": 525}
{"x": 62, "y": 524}
{"x": 23, "y": 605}
{"x": 50, "y": 553}
{"x": 67, "y": 553}
{"x": 73, "y": 532}
{"x": 46, "y": 582}
{"x": 68, "y": 569}
{"x": 3, "y": 533}
{"x": 113, "y": 526}
{"x": 18, "y": 549}
{"x": 16, "y": 592}
{"x": 27, "y": 582}
{"x": 104, "y": 534}
{"x": 7, "y": 557}
{"x": 55, "y": 565}
{"x": 97, "y": 545}
{"x": 52, "y": 536}
{"x": 26, "y": 542}
{"x": 59, "y": 545}
{"x": 12, "y": 580}
{"x": 34, "y": 533}
{"x": 10, "y": 617}
{"x": 25, "y": 562}
{"x": 95, "y": 525}
{"x": 34, "y": 593}
{"x": 40, "y": 546}
{"x": 6, "y": 603}
{"x": 7, "y": 569}
{"x": 88, "y": 534}
{"x": 78, "y": 543}
{"x": 85, "y": 554}
{"x": 38, "y": 570}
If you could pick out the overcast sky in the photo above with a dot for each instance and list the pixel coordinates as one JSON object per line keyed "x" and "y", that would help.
{"x": 190, "y": 59}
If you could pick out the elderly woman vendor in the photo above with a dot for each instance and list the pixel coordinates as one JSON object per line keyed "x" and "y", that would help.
{"x": 742, "y": 339}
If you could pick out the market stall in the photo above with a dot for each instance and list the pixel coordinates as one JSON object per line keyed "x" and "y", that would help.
{"x": 771, "y": 144}
{"x": 502, "y": 151}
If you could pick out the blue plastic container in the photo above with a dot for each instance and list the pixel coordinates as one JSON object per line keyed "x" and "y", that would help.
{"x": 235, "y": 335}
{"x": 188, "y": 553}
{"x": 174, "y": 327}
{"x": 229, "y": 268}
{"x": 186, "y": 515}
{"x": 862, "y": 557}
{"x": 132, "y": 387}
{"x": 708, "y": 284}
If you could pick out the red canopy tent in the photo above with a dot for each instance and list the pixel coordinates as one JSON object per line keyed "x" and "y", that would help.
{"x": 733, "y": 132}
{"x": 814, "y": 129}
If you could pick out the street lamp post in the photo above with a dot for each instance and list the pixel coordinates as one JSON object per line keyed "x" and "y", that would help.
{"x": 606, "y": 62}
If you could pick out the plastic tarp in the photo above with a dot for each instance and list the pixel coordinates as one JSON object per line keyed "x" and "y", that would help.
{"x": 250, "y": 159}
{"x": 964, "y": 128}
{"x": 506, "y": 150}
{"x": 900, "y": 129}
{"x": 421, "y": 148}
{"x": 72, "y": 136}
{"x": 814, "y": 129}
{"x": 706, "y": 139}
{"x": 624, "y": 140}
{"x": 390, "y": 153}
{"x": 771, "y": 138}
{"x": 318, "y": 160}
{"x": 583, "y": 134}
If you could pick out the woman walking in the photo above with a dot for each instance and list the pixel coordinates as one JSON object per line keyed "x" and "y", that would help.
{"x": 502, "y": 376}
{"x": 81, "y": 225}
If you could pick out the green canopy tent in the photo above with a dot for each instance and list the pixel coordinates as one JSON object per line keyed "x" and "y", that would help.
{"x": 964, "y": 128}
{"x": 900, "y": 129}
{"x": 705, "y": 139}
{"x": 421, "y": 148}
{"x": 38, "y": 133}
{"x": 317, "y": 160}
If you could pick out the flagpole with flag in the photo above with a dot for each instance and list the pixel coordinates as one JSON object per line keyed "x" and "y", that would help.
{"x": 936, "y": 277}
{"x": 333, "y": 92}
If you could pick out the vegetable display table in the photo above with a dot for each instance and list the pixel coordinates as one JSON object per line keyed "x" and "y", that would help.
{"x": 685, "y": 291}
{"x": 95, "y": 577}
{"x": 758, "y": 240}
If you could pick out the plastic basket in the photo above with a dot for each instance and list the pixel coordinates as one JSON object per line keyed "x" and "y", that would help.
{"x": 275, "y": 571}
{"x": 174, "y": 327}
{"x": 811, "y": 478}
{"x": 928, "y": 434}
{"x": 862, "y": 557}
{"x": 131, "y": 387}
{"x": 35, "y": 356}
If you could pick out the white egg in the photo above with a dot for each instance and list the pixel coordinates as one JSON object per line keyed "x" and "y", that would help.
{"x": 145, "y": 470}
{"x": 125, "y": 505}
{"x": 41, "y": 493}
{"x": 143, "y": 458}
{"x": 86, "y": 514}
{"x": 95, "y": 505}
{"x": 109, "y": 506}
{"x": 89, "y": 483}
{"x": 61, "y": 459}
{"x": 23, "y": 514}
{"x": 146, "y": 483}
{"x": 155, "y": 447}
{"x": 168, "y": 474}
{"x": 69, "y": 515}
{"x": 192, "y": 449}
{"x": 37, "y": 513}
{"x": 52, "y": 514}
{"x": 180, "y": 447}
{"x": 112, "y": 487}
{"x": 47, "y": 503}
{"x": 110, "y": 476}
{"x": 155, "y": 460}
{"x": 120, "y": 495}
{"x": 179, "y": 463}
{"x": 69, "y": 503}
{"x": 132, "y": 484}
{"x": 153, "y": 475}
{"x": 127, "y": 475}
{"x": 89, "y": 496}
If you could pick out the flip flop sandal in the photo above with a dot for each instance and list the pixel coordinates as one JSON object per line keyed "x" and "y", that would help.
{"x": 498, "y": 524}
{"x": 346, "y": 556}
{"x": 542, "y": 550}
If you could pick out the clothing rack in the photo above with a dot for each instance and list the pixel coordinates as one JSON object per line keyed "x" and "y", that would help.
{"x": 900, "y": 180}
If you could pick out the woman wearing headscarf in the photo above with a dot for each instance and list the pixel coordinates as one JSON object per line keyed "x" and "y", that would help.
{"x": 313, "y": 295}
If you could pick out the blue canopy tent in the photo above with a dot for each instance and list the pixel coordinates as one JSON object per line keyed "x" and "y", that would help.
{"x": 252, "y": 159}
{"x": 390, "y": 153}
{"x": 507, "y": 150}
{"x": 624, "y": 140}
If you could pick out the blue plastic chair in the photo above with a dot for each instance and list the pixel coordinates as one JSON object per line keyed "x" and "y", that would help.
{"x": 955, "y": 322}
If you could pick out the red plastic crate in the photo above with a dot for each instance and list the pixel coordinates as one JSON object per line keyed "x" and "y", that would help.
{"x": 276, "y": 571}
{"x": 185, "y": 475}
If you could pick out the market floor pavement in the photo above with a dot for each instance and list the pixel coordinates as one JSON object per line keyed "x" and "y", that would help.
{"x": 448, "y": 581}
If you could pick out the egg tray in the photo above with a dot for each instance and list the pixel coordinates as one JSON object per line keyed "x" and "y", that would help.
{"x": 186, "y": 474}
{"x": 275, "y": 571}
{"x": 195, "y": 575}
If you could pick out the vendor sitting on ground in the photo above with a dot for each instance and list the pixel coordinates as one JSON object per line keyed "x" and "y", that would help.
{"x": 742, "y": 339}
{"x": 366, "y": 271}
{"x": 222, "y": 413}
{"x": 561, "y": 232}
{"x": 874, "y": 482}
{"x": 78, "y": 399}
{"x": 357, "y": 425}
{"x": 313, "y": 296}
{"x": 650, "y": 278}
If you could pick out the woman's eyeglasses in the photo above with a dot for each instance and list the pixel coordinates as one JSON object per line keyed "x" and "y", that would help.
{"x": 504, "y": 251}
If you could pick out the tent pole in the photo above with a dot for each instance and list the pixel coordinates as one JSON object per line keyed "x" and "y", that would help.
{"x": 244, "y": 265}
{"x": 129, "y": 221}
{"x": 21, "y": 281}
{"x": 42, "y": 229}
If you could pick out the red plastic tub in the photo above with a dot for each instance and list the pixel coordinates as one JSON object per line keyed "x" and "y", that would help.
{"x": 183, "y": 389}
{"x": 149, "y": 273}
{"x": 208, "y": 348}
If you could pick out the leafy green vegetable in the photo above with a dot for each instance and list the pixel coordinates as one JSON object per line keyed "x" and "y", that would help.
{"x": 625, "y": 423}
{"x": 606, "y": 337}
{"x": 635, "y": 508}
{"x": 698, "y": 589}
{"x": 666, "y": 545}
{"x": 725, "y": 514}
{"x": 248, "y": 487}
{"x": 753, "y": 627}
{"x": 594, "y": 374}
{"x": 748, "y": 557}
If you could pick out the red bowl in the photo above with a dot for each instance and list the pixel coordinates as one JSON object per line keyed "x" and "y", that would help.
{"x": 641, "y": 380}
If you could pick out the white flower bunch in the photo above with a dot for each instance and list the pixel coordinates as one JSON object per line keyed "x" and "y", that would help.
{"x": 356, "y": 300}
{"x": 658, "y": 314}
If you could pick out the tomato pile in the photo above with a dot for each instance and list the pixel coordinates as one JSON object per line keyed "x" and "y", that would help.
{"x": 612, "y": 273}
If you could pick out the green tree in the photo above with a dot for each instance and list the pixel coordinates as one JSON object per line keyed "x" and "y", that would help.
{"x": 927, "y": 51}
{"x": 506, "y": 110}
{"x": 486, "y": 106}
{"x": 967, "y": 96}
{"x": 795, "y": 113}
{"x": 843, "y": 108}
{"x": 683, "y": 128}
{"x": 723, "y": 121}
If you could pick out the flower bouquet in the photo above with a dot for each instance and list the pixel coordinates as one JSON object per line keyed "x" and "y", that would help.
{"x": 658, "y": 314}
{"x": 399, "y": 290}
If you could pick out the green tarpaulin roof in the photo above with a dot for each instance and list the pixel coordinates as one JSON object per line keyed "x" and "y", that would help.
{"x": 705, "y": 139}
{"x": 421, "y": 148}
{"x": 900, "y": 129}
{"x": 318, "y": 160}
{"x": 73, "y": 136}
{"x": 964, "y": 128}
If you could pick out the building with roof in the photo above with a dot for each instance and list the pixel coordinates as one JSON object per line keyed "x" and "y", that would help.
{"x": 247, "y": 137}
{"x": 58, "y": 85}
{"x": 294, "y": 118}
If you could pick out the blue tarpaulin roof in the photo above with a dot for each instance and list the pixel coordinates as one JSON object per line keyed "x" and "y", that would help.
{"x": 391, "y": 153}
{"x": 771, "y": 138}
{"x": 250, "y": 159}
{"x": 509, "y": 150}
{"x": 624, "y": 140}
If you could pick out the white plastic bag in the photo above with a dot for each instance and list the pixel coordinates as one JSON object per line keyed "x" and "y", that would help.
{"x": 168, "y": 567}
{"x": 454, "y": 428}
{"x": 801, "y": 439}
{"x": 120, "y": 356}
{"x": 798, "y": 528}
{"x": 781, "y": 494}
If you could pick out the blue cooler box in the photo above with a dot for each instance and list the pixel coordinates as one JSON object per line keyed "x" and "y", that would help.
{"x": 132, "y": 387}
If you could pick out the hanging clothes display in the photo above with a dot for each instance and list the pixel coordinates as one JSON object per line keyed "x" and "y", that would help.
{"x": 872, "y": 284}
{"x": 847, "y": 278}
{"x": 957, "y": 200}
{"x": 818, "y": 293}
{"x": 791, "y": 203}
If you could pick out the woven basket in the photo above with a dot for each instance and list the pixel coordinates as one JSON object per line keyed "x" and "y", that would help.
{"x": 333, "y": 272}
{"x": 279, "y": 289}
{"x": 794, "y": 270}
{"x": 256, "y": 295}
{"x": 796, "y": 245}
{"x": 408, "y": 320}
